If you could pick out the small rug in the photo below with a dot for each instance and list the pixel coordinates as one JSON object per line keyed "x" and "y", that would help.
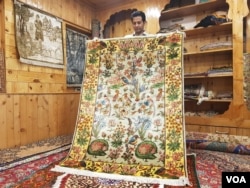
{"x": 46, "y": 178}
{"x": 218, "y": 142}
{"x": 8, "y": 156}
{"x": 130, "y": 123}
{"x": 20, "y": 163}
{"x": 211, "y": 164}
{"x": 10, "y": 177}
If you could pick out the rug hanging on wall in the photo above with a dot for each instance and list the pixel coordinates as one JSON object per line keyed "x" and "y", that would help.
{"x": 246, "y": 83}
{"x": 130, "y": 122}
{"x": 38, "y": 37}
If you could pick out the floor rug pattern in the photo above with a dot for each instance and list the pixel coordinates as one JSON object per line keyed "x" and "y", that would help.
{"x": 20, "y": 163}
{"x": 69, "y": 180}
{"x": 46, "y": 178}
{"x": 211, "y": 164}
{"x": 130, "y": 120}
{"x": 15, "y": 154}
{"x": 37, "y": 173}
{"x": 10, "y": 177}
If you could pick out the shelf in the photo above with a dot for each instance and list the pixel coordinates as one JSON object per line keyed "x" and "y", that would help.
{"x": 207, "y": 47}
{"x": 230, "y": 74}
{"x": 206, "y": 120}
{"x": 210, "y": 29}
{"x": 209, "y": 51}
{"x": 194, "y": 8}
{"x": 211, "y": 100}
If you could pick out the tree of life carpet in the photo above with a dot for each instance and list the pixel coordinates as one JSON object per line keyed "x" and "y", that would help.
{"x": 130, "y": 122}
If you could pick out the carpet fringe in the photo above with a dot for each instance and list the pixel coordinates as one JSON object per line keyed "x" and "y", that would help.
{"x": 182, "y": 181}
{"x": 59, "y": 180}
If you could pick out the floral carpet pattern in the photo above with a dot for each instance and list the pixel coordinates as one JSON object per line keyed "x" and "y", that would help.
{"x": 205, "y": 171}
{"x": 211, "y": 164}
{"x": 46, "y": 178}
{"x": 11, "y": 155}
{"x": 10, "y": 177}
{"x": 219, "y": 142}
{"x": 217, "y": 153}
{"x": 130, "y": 120}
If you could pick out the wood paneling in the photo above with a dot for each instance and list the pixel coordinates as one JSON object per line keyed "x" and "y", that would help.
{"x": 37, "y": 103}
{"x": 23, "y": 78}
{"x": 151, "y": 8}
{"x": 27, "y": 118}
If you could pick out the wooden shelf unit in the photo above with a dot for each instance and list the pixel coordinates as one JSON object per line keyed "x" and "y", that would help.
{"x": 190, "y": 9}
{"x": 233, "y": 117}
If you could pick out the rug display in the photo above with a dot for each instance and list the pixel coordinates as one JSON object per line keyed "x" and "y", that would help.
{"x": 130, "y": 122}
{"x": 75, "y": 53}
{"x": 21, "y": 163}
{"x": 28, "y": 152}
{"x": 69, "y": 180}
{"x": 46, "y": 178}
{"x": 246, "y": 83}
{"x": 25, "y": 170}
{"x": 203, "y": 165}
{"x": 2, "y": 71}
{"x": 218, "y": 142}
{"x": 38, "y": 36}
{"x": 211, "y": 164}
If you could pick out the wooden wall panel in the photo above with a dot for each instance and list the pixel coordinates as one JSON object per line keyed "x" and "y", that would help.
{"x": 2, "y": 25}
{"x": 17, "y": 121}
{"x": 3, "y": 122}
{"x": 27, "y": 118}
{"x": 23, "y": 78}
{"x": 37, "y": 103}
{"x": 151, "y": 8}
{"x": 32, "y": 116}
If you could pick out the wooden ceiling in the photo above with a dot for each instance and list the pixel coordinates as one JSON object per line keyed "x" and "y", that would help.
{"x": 98, "y": 4}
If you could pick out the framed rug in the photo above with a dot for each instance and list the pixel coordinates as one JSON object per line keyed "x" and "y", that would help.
{"x": 2, "y": 71}
{"x": 38, "y": 37}
{"x": 75, "y": 51}
{"x": 130, "y": 122}
{"x": 246, "y": 76}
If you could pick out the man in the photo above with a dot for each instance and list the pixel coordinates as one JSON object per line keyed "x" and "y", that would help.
{"x": 138, "y": 19}
{"x": 39, "y": 28}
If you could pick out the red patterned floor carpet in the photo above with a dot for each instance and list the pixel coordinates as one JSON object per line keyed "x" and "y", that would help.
{"x": 211, "y": 164}
{"x": 46, "y": 178}
{"x": 34, "y": 170}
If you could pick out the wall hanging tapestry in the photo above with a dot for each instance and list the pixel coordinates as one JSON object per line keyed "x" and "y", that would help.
{"x": 2, "y": 71}
{"x": 130, "y": 122}
{"x": 246, "y": 83}
{"x": 75, "y": 49}
{"x": 38, "y": 37}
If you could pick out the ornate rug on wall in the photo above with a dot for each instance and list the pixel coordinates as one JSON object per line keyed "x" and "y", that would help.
{"x": 38, "y": 36}
{"x": 130, "y": 123}
{"x": 246, "y": 83}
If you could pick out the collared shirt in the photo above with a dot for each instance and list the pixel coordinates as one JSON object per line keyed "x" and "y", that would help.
{"x": 141, "y": 35}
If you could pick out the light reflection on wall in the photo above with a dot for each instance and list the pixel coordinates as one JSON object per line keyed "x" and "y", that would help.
{"x": 153, "y": 12}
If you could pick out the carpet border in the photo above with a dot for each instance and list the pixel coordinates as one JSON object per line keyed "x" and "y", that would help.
{"x": 182, "y": 181}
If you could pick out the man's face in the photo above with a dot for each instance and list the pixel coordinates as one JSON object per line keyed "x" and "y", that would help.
{"x": 138, "y": 25}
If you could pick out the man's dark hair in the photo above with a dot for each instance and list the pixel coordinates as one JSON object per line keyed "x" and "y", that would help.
{"x": 138, "y": 13}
